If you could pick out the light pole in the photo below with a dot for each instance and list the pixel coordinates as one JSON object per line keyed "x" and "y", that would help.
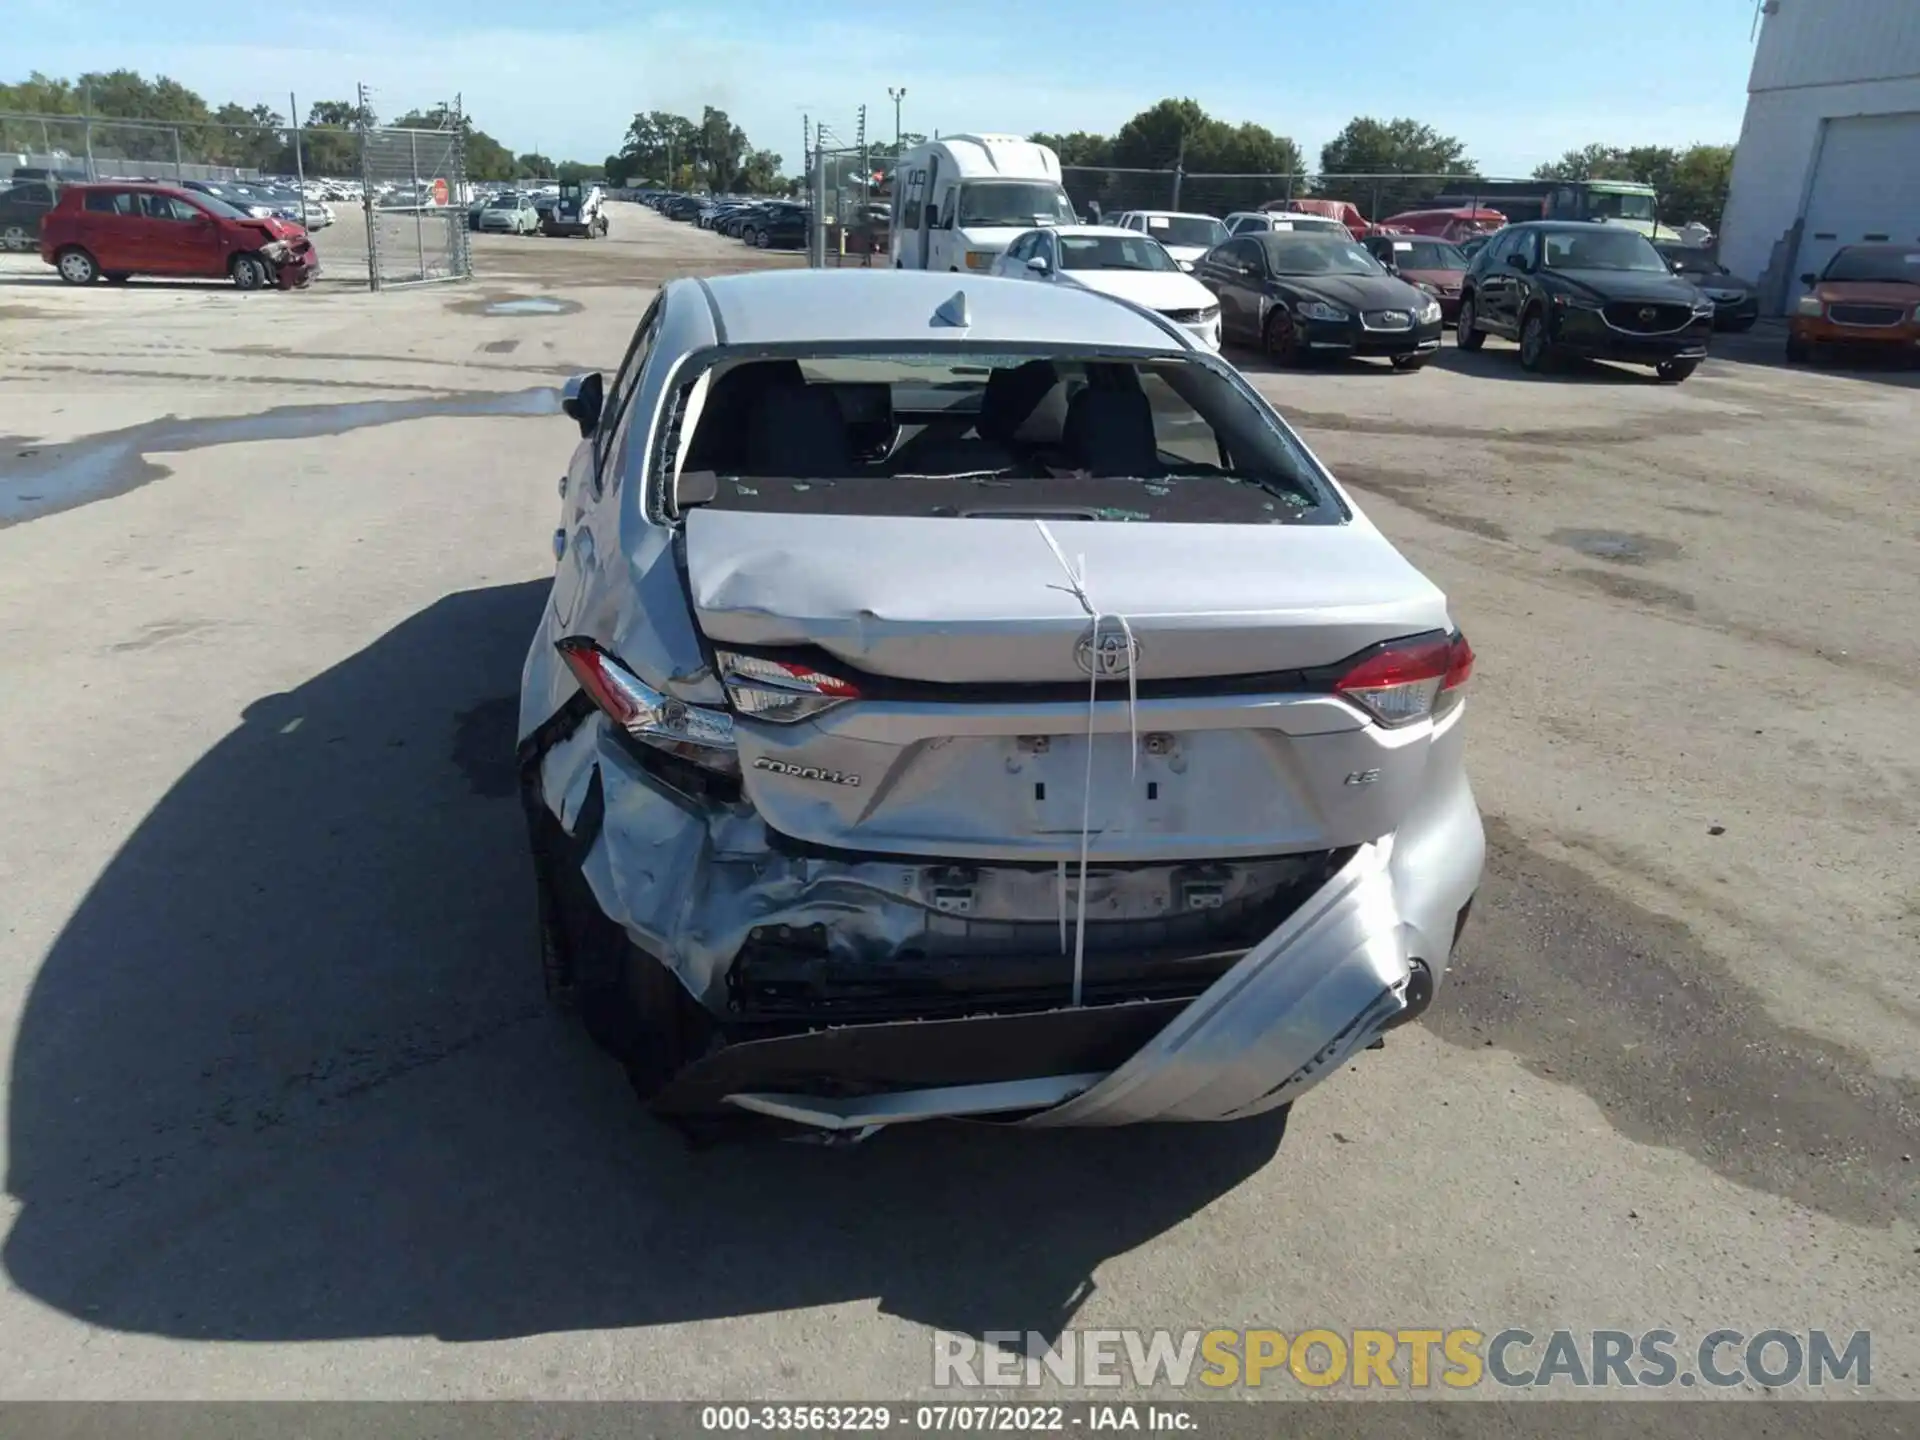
{"x": 896, "y": 96}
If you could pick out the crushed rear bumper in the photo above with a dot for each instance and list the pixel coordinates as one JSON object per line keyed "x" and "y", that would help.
{"x": 1360, "y": 951}
{"x": 1319, "y": 989}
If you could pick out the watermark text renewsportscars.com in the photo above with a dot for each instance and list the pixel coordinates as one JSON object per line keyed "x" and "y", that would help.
{"x": 1412, "y": 1359}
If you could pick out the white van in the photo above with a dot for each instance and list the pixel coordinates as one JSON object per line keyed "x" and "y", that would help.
{"x": 960, "y": 200}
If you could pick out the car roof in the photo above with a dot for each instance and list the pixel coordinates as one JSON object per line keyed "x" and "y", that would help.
{"x": 1594, "y": 226}
{"x": 773, "y": 307}
{"x": 1120, "y": 230}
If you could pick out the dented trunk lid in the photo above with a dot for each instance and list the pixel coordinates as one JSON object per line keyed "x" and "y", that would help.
{"x": 986, "y": 601}
{"x": 971, "y": 737}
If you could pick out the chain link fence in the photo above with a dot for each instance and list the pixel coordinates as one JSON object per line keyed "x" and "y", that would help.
{"x": 384, "y": 206}
{"x": 415, "y": 184}
{"x": 854, "y": 205}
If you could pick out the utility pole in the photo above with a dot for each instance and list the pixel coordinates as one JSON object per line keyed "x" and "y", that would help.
{"x": 896, "y": 96}
{"x": 817, "y": 222}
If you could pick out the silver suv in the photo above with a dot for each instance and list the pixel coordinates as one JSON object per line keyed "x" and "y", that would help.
{"x": 960, "y": 697}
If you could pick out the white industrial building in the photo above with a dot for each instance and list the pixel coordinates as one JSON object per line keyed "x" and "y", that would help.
{"x": 1830, "y": 150}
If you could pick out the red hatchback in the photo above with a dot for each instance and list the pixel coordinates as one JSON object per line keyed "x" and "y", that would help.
{"x": 118, "y": 230}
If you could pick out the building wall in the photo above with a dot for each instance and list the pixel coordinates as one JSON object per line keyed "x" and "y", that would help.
{"x": 1816, "y": 60}
{"x": 1836, "y": 42}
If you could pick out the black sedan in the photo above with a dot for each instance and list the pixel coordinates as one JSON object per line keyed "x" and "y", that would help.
{"x": 1736, "y": 304}
{"x": 1296, "y": 294}
{"x": 783, "y": 227}
{"x": 1593, "y": 290}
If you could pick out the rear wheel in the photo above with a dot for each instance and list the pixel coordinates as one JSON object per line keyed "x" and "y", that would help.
{"x": 250, "y": 272}
{"x": 15, "y": 237}
{"x": 631, "y": 1005}
{"x": 1467, "y": 336}
{"x": 77, "y": 267}
{"x": 1280, "y": 339}
{"x": 1674, "y": 371}
{"x": 1535, "y": 348}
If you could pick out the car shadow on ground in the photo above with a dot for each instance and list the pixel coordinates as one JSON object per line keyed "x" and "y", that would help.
{"x": 1502, "y": 362}
{"x": 287, "y": 1074}
{"x": 1766, "y": 346}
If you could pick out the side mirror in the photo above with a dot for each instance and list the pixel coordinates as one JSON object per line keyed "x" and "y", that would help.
{"x": 1038, "y": 265}
{"x": 1519, "y": 262}
{"x": 1809, "y": 279}
{"x": 581, "y": 399}
{"x": 1186, "y": 265}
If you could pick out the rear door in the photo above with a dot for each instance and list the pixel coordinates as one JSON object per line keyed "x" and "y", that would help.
{"x": 113, "y": 228}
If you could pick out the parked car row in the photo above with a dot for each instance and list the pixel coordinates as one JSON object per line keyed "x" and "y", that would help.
{"x": 26, "y": 203}
{"x": 572, "y": 207}
{"x": 763, "y": 224}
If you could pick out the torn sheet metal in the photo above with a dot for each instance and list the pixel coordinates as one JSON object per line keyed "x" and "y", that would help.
{"x": 691, "y": 881}
{"x": 690, "y": 885}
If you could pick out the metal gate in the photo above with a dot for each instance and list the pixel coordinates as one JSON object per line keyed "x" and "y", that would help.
{"x": 414, "y": 187}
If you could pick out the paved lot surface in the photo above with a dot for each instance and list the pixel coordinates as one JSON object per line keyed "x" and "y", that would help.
{"x": 285, "y": 1115}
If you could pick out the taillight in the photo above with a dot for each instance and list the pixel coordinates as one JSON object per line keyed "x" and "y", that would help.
{"x": 1407, "y": 680}
{"x": 691, "y": 732}
{"x": 781, "y": 691}
{"x": 1459, "y": 670}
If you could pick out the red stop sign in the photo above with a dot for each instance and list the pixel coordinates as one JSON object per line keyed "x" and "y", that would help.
{"x": 439, "y": 192}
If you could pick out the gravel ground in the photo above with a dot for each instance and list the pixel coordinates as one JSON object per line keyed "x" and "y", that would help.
{"x": 286, "y": 1116}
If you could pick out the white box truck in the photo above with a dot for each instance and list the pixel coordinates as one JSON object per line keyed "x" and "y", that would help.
{"x": 960, "y": 200}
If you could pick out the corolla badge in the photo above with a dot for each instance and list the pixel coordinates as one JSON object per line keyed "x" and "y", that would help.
{"x": 806, "y": 772}
{"x": 1106, "y": 650}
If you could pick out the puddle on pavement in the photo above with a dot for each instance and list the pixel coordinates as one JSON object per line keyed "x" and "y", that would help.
{"x": 1619, "y": 546}
{"x": 507, "y": 306}
{"x": 47, "y": 479}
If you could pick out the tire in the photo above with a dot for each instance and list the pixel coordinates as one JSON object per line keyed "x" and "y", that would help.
{"x": 1799, "y": 352}
{"x": 118, "y": 277}
{"x": 630, "y": 1004}
{"x": 1467, "y": 335}
{"x": 1280, "y": 340}
{"x": 1536, "y": 346}
{"x": 1410, "y": 363}
{"x": 1672, "y": 372}
{"x": 762, "y": 240}
{"x": 16, "y": 237}
{"x": 250, "y": 272}
{"x": 76, "y": 266}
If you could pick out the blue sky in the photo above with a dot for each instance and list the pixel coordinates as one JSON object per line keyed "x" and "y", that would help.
{"x": 1518, "y": 80}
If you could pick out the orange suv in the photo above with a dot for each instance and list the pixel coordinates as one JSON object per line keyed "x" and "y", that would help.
{"x": 1867, "y": 295}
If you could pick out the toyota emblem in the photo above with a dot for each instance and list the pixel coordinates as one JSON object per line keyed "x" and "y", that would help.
{"x": 1106, "y": 651}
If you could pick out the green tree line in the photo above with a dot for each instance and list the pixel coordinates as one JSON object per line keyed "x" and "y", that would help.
{"x": 680, "y": 153}
{"x": 243, "y": 137}
{"x": 1249, "y": 162}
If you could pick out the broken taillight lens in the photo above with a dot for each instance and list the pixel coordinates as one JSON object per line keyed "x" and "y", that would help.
{"x": 691, "y": 732}
{"x": 1407, "y": 680}
{"x": 781, "y": 691}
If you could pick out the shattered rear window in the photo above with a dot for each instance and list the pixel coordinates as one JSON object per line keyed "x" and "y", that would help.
{"x": 967, "y": 435}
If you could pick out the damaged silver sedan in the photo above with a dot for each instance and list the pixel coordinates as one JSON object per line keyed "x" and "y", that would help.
{"x": 966, "y": 698}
